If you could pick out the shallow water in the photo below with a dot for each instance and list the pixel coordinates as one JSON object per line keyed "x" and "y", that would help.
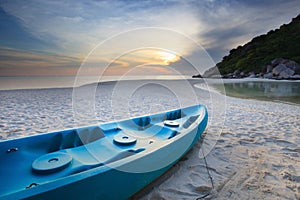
{"x": 284, "y": 91}
{"x": 252, "y": 149}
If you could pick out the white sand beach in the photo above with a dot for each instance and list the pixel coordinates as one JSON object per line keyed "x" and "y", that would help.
{"x": 256, "y": 157}
{"x": 251, "y": 146}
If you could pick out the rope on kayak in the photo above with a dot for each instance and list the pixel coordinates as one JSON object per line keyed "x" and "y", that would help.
{"x": 210, "y": 177}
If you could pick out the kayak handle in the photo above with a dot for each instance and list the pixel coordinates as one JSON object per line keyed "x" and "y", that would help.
{"x": 12, "y": 150}
{"x": 32, "y": 185}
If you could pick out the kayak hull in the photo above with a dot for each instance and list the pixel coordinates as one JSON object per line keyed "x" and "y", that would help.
{"x": 104, "y": 167}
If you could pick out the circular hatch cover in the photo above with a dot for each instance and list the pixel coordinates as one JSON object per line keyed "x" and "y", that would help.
{"x": 52, "y": 162}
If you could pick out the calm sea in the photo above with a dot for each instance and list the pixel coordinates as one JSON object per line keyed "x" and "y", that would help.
{"x": 280, "y": 91}
{"x": 37, "y": 82}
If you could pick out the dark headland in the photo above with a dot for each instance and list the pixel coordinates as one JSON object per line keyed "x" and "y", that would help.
{"x": 275, "y": 55}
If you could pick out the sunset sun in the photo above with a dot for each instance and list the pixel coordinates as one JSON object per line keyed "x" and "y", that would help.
{"x": 168, "y": 57}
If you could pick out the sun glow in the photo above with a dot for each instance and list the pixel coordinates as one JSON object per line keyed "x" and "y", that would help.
{"x": 167, "y": 57}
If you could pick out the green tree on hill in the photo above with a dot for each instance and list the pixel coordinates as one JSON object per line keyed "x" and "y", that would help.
{"x": 280, "y": 43}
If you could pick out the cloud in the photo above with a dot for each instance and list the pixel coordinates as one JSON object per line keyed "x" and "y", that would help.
{"x": 15, "y": 62}
{"x": 228, "y": 24}
{"x": 76, "y": 27}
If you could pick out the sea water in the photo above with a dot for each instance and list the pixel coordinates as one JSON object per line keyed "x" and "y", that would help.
{"x": 38, "y": 82}
{"x": 284, "y": 91}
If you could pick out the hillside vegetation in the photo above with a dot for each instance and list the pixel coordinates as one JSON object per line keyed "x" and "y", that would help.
{"x": 260, "y": 51}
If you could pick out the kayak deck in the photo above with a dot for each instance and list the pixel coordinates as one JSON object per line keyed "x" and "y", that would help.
{"x": 36, "y": 160}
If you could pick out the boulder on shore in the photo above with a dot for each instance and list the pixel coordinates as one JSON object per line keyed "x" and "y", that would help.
{"x": 268, "y": 75}
{"x": 279, "y": 68}
{"x": 277, "y": 61}
{"x": 293, "y": 66}
{"x": 287, "y": 73}
{"x": 284, "y": 68}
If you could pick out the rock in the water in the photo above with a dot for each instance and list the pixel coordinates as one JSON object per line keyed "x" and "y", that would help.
{"x": 278, "y": 69}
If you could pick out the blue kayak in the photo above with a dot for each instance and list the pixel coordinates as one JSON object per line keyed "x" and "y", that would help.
{"x": 107, "y": 161}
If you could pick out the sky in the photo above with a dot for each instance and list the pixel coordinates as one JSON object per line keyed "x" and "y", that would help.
{"x": 159, "y": 37}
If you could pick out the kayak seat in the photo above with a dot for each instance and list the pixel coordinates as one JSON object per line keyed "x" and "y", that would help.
{"x": 142, "y": 121}
{"x": 74, "y": 138}
{"x": 176, "y": 114}
{"x": 88, "y": 135}
{"x": 161, "y": 132}
{"x": 190, "y": 121}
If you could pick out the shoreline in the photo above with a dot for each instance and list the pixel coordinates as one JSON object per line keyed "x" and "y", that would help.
{"x": 210, "y": 85}
{"x": 207, "y": 80}
{"x": 238, "y": 80}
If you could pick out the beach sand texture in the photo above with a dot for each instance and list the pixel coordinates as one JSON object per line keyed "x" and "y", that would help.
{"x": 256, "y": 156}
